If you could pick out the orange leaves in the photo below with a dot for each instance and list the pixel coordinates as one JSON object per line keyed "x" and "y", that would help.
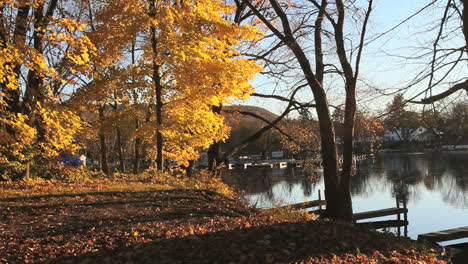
{"x": 305, "y": 133}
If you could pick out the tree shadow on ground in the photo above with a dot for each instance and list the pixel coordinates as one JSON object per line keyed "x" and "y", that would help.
{"x": 36, "y": 227}
{"x": 175, "y": 226}
{"x": 205, "y": 193}
{"x": 277, "y": 243}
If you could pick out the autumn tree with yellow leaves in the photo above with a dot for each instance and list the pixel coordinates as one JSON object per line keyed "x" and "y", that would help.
{"x": 62, "y": 58}
{"x": 190, "y": 56}
{"x": 41, "y": 45}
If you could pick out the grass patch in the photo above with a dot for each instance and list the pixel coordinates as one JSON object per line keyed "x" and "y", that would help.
{"x": 92, "y": 182}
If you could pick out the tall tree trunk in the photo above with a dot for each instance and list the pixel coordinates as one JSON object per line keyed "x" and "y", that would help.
{"x": 137, "y": 145}
{"x": 120, "y": 149}
{"x": 335, "y": 193}
{"x": 35, "y": 91}
{"x": 12, "y": 98}
{"x": 103, "y": 150}
{"x": 327, "y": 131}
{"x": 348, "y": 150}
{"x": 214, "y": 155}
{"x": 159, "y": 136}
{"x": 189, "y": 168}
{"x": 337, "y": 186}
{"x": 118, "y": 142}
{"x": 104, "y": 161}
{"x": 27, "y": 170}
{"x": 158, "y": 89}
{"x": 136, "y": 162}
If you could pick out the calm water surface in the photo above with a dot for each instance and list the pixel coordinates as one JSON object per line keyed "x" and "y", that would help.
{"x": 435, "y": 187}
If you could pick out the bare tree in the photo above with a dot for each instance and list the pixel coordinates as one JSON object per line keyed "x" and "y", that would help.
{"x": 289, "y": 23}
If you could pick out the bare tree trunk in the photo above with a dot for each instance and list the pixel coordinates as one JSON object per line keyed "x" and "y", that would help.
{"x": 337, "y": 186}
{"x": 327, "y": 131}
{"x": 348, "y": 150}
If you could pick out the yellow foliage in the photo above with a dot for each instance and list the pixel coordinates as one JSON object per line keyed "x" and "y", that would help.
{"x": 44, "y": 51}
{"x": 82, "y": 54}
{"x": 200, "y": 67}
{"x": 61, "y": 125}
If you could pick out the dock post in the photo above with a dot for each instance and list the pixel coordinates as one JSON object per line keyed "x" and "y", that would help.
{"x": 320, "y": 198}
{"x": 405, "y": 217}
{"x": 397, "y": 198}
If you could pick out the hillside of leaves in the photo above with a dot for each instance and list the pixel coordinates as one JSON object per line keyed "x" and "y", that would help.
{"x": 149, "y": 221}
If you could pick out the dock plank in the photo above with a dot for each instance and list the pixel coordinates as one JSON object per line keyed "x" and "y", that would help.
{"x": 445, "y": 235}
{"x": 380, "y": 213}
{"x": 383, "y": 224}
{"x": 303, "y": 205}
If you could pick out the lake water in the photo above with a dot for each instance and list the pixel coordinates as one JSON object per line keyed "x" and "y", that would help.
{"x": 435, "y": 187}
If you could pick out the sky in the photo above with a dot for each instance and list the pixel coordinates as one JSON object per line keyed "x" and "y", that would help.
{"x": 383, "y": 64}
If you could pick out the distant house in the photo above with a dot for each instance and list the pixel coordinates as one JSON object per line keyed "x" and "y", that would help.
{"x": 420, "y": 134}
{"x": 423, "y": 134}
{"x": 392, "y": 135}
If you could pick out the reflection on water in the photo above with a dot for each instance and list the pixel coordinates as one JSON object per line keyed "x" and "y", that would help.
{"x": 435, "y": 187}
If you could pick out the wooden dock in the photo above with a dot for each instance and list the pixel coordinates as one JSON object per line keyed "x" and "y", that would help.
{"x": 304, "y": 205}
{"x": 380, "y": 213}
{"x": 445, "y": 235}
{"x": 398, "y": 210}
{"x": 384, "y": 224}
{"x": 398, "y": 223}
{"x": 282, "y": 163}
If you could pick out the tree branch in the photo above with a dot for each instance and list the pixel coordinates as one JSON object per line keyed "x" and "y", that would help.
{"x": 361, "y": 42}
{"x": 265, "y": 21}
{"x": 267, "y": 122}
{"x": 432, "y": 99}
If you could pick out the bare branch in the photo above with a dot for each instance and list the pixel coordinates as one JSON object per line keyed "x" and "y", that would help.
{"x": 322, "y": 7}
{"x": 264, "y": 129}
{"x": 264, "y": 20}
{"x": 319, "y": 65}
{"x": 436, "y": 42}
{"x": 361, "y": 42}
{"x": 267, "y": 122}
{"x": 432, "y": 99}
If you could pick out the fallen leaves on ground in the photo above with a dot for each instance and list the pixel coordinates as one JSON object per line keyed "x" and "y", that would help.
{"x": 181, "y": 226}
